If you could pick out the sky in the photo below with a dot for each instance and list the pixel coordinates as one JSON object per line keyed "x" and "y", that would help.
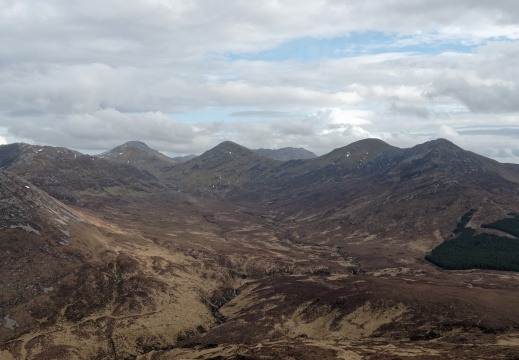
{"x": 183, "y": 76}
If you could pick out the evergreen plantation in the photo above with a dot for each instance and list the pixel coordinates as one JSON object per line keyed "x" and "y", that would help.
{"x": 470, "y": 250}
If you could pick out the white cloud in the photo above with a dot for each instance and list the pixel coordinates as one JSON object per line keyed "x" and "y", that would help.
{"x": 448, "y": 133}
{"x": 91, "y": 75}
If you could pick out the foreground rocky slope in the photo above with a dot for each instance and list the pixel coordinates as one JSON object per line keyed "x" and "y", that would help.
{"x": 236, "y": 255}
{"x": 75, "y": 286}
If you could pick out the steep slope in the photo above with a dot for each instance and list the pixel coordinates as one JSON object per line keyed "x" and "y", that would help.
{"x": 340, "y": 163}
{"x": 42, "y": 244}
{"x": 227, "y": 169}
{"x": 262, "y": 259}
{"x": 380, "y": 209}
{"x": 75, "y": 286}
{"x": 366, "y": 187}
{"x": 75, "y": 178}
{"x": 138, "y": 154}
{"x": 411, "y": 198}
{"x": 286, "y": 154}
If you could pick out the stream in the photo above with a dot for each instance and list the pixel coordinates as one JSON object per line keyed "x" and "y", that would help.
{"x": 215, "y": 311}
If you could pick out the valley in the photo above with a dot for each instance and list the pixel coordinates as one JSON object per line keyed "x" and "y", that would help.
{"x": 233, "y": 255}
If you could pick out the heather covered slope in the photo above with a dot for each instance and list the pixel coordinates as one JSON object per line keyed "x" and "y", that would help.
{"x": 227, "y": 169}
{"x": 75, "y": 286}
{"x": 236, "y": 255}
{"x": 76, "y": 178}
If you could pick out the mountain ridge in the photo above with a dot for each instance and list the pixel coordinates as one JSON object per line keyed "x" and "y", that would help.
{"x": 306, "y": 258}
{"x": 138, "y": 154}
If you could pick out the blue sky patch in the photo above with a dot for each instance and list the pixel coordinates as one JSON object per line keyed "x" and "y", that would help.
{"x": 356, "y": 44}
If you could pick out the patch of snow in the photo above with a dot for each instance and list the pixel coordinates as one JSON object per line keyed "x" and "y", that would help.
{"x": 48, "y": 290}
{"x": 412, "y": 158}
{"x": 63, "y": 242}
{"x": 27, "y": 228}
{"x": 66, "y": 232}
{"x": 27, "y": 187}
{"x": 10, "y": 323}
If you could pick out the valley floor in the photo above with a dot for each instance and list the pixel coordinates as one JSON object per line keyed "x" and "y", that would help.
{"x": 170, "y": 272}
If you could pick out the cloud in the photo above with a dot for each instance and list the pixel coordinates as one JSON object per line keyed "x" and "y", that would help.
{"x": 264, "y": 114}
{"x": 91, "y": 75}
{"x": 449, "y": 133}
{"x": 409, "y": 110}
{"x": 103, "y": 129}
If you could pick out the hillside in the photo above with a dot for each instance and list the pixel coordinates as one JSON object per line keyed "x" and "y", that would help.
{"x": 75, "y": 178}
{"x": 226, "y": 169}
{"x": 138, "y": 154}
{"x": 287, "y": 153}
{"x": 75, "y": 286}
{"x": 236, "y": 255}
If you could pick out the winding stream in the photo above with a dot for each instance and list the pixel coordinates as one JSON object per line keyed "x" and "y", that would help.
{"x": 215, "y": 311}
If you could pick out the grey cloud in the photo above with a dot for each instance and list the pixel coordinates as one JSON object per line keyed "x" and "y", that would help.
{"x": 105, "y": 129}
{"x": 409, "y": 110}
{"x": 105, "y": 31}
{"x": 293, "y": 127}
{"x": 508, "y": 132}
{"x": 495, "y": 98}
{"x": 94, "y": 74}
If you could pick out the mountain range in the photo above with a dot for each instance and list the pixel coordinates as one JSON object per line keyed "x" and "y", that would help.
{"x": 234, "y": 254}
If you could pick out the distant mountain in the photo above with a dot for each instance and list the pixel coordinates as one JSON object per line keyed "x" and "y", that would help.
{"x": 226, "y": 167}
{"x": 138, "y": 154}
{"x": 305, "y": 257}
{"x": 73, "y": 177}
{"x": 287, "y": 153}
{"x": 131, "y": 144}
{"x": 352, "y": 183}
{"x": 183, "y": 159}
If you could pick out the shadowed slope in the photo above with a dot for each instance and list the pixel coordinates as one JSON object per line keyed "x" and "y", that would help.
{"x": 75, "y": 178}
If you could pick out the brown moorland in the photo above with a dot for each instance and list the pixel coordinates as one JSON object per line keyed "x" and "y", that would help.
{"x": 233, "y": 255}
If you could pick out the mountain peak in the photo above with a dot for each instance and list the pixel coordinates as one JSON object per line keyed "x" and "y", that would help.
{"x": 441, "y": 143}
{"x": 138, "y": 144}
{"x": 365, "y": 150}
{"x": 140, "y": 155}
{"x": 226, "y": 150}
{"x": 134, "y": 144}
{"x": 229, "y": 145}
